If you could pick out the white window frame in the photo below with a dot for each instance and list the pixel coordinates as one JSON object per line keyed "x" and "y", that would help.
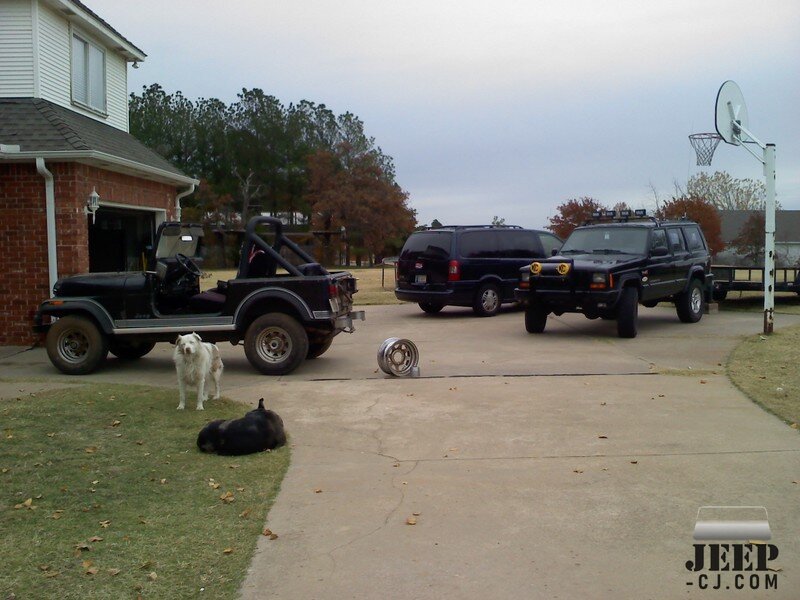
{"x": 101, "y": 110}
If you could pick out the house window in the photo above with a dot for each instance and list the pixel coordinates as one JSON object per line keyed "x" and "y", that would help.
{"x": 88, "y": 74}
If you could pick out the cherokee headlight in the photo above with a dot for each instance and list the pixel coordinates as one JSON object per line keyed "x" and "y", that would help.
{"x": 536, "y": 268}
{"x": 563, "y": 268}
{"x": 598, "y": 277}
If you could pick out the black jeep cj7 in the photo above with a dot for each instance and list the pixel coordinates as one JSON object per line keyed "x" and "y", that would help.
{"x": 282, "y": 317}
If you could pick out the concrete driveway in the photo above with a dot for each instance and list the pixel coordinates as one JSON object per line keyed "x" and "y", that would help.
{"x": 563, "y": 465}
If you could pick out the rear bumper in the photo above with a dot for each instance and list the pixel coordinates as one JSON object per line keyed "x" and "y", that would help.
{"x": 346, "y": 322}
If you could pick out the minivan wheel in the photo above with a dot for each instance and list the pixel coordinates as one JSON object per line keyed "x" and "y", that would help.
{"x": 75, "y": 345}
{"x": 431, "y": 307}
{"x": 487, "y": 301}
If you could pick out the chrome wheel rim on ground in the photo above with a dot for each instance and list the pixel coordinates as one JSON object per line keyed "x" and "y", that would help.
{"x": 398, "y": 357}
{"x": 73, "y": 345}
{"x": 273, "y": 344}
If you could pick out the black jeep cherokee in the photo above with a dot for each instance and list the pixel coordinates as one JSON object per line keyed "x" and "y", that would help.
{"x": 284, "y": 306}
{"x": 607, "y": 268}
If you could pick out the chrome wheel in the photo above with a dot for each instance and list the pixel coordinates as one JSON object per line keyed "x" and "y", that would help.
{"x": 490, "y": 300}
{"x": 696, "y": 300}
{"x": 398, "y": 357}
{"x": 273, "y": 344}
{"x": 73, "y": 346}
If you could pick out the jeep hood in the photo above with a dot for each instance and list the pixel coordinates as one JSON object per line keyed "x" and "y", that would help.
{"x": 98, "y": 284}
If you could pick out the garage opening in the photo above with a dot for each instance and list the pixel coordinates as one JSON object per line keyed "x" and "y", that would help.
{"x": 120, "y": 239}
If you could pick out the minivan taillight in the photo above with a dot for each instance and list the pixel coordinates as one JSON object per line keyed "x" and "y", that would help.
{"x": 453, "y": 271}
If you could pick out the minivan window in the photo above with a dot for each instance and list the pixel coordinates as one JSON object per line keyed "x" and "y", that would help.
{"x": 518, "y": 244}
{"x": 427, "y": 243}
{"x": 550, "y": 242}
{"x": 479, "y": 244}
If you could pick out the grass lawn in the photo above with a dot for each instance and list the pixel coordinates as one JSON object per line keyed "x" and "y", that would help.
{"x": 370, "y": 290}
{"x": 765, "y": 368}
{"x": 105, "y": 495}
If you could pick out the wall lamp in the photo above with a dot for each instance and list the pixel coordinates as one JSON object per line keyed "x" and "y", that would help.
{"x": 93, "y": 203}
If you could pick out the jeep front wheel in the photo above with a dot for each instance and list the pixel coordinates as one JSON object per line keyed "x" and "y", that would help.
{"x": 276, "y": 344}
{"x": 628, "y": 313}
{"x": 689, "y": 304}
{"x": 75, "y": 345}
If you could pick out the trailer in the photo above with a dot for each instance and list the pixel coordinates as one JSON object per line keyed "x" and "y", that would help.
{"x": 733, "y": 278}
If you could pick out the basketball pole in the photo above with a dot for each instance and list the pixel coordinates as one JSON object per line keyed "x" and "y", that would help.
{"x": 768, "y": 160}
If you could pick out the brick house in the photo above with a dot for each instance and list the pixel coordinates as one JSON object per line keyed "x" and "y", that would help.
{"x": 64, "y": 141}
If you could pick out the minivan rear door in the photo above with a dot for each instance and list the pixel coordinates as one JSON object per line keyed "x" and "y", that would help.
{"x": 424, "y": 259}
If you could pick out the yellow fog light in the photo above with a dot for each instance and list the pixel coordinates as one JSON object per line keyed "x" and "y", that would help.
{"x": 563, "y": 268}
{"x": 536, "y": 268}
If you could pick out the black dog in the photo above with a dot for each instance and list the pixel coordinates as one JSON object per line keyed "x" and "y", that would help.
{"x": 258, "y": 430}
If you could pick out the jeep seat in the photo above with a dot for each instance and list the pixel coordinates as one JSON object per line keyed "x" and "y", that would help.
{"x": 311, "y": 269}
{"x": 210, "y": 301}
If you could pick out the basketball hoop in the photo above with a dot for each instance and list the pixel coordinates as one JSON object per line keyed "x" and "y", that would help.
{"x": 704, "y": 145}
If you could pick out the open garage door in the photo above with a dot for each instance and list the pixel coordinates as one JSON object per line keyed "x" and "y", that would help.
{"x": 119, "y": 239}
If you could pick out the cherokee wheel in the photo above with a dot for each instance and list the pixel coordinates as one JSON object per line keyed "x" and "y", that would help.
{"x": 75, "y": 345}
{"x": 689, "y": 304}
{"x": 535, "y": 318}
{"x": 628, "y": 313}
{"x": 276, "y": 344}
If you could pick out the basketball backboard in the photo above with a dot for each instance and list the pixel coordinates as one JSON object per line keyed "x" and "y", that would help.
{"x": 731, "y": 112}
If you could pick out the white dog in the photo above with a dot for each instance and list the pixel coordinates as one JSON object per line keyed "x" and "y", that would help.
{"x": 196, "y": 362}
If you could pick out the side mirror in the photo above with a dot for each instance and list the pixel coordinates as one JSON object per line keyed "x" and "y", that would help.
{"x": 659, "y": 251}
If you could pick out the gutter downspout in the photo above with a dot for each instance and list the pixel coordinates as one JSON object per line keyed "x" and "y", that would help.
{"x": 50, "y": 208}
{"x": 182, "y": 194}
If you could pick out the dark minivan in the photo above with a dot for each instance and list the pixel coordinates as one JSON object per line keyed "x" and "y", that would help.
{"x": 469, "y": 265}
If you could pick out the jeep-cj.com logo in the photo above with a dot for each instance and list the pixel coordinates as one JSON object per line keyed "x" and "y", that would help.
{"x": 743, "y": 562}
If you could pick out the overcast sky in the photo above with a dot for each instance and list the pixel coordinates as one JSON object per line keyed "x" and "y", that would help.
{"x": 503, "y": 108}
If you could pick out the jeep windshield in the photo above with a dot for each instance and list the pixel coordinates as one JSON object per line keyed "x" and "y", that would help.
{"x": 429, "y": 244}
{"x": 606, "y": 240}
{"x": 179, "y": 239}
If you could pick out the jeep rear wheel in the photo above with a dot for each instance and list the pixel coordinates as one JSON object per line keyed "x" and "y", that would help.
{"x": 75, "y": 345}
{"x": 276, "y": 344}
{"x": 487, "y": 301}
{"x": 535, "y": 318}
{"x": 129, "y": 350}
{"x": 689, "y": 304}
{"x": 628, "y": 313}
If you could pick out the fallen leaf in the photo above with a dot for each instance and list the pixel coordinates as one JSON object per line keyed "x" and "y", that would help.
{"x": 233, "y": 466}
{"x": 44, "y": 567}
{"x": 416, "y": 514}
{"x": 273, "y": 536}
{"x": 82, "y": 546}
{"x": 634, "y": 462}
{"x": 239, "y": 489}
{"x": 227, "y": 550}
{"x": 146, "y": 565}
{"x": 227, "y": 497}
{"x": 318, "y": 491}
{"x": 602, "y": 404}
{"x": 90, "y": 450}
{"x": 602, "y": 437}
{"x": 52, "y": 574}
{"x": 577, "y": 471}
{"x": 116, "y": 423}
{"x": 703, "y": 381}
{"x": 163, "y": 481}
{"x": 244, "y": 513}
{"x": 50, "y": 435}
{"x": 152, "y": 576}
{"x": 411, "y": 521}
{"x": 92, "y": 571}
{"x": 794, "y": 426}
{"x": 95, "y": 538}
{"x": 139, "y": 443}
{"x": 113, "y": 572}
{"x": 105, "y": 524}
{"x": 267, "y": 532}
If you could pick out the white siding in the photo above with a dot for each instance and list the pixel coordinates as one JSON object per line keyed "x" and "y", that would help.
{"x": 55, "y": 71}
{"x": 16, "y": 49}
{"x": 54, "y": 53}
{"x": 117, "y": 90}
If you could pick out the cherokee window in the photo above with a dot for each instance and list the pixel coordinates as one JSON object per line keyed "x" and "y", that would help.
{"x": 88, "y": 74}
{"x": 676, "y": 240}
{"x": 694, "y": 238}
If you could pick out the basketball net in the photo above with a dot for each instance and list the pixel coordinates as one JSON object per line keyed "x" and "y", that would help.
{"x": 704, "y": 145}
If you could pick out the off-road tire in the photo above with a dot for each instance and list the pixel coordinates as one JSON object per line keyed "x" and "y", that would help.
{"x": 628, "y": 313}
{"x": 431, "y": 307}
{"x": 75, "y": 345}
{"x": 276, "y": 344}
{"x": 689, "y": 304}
{"x": 487, "y": 301}
{"x": 317, "y": 349}
{"x": 129, "y": 350}
{"x": 535, "y": 317}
